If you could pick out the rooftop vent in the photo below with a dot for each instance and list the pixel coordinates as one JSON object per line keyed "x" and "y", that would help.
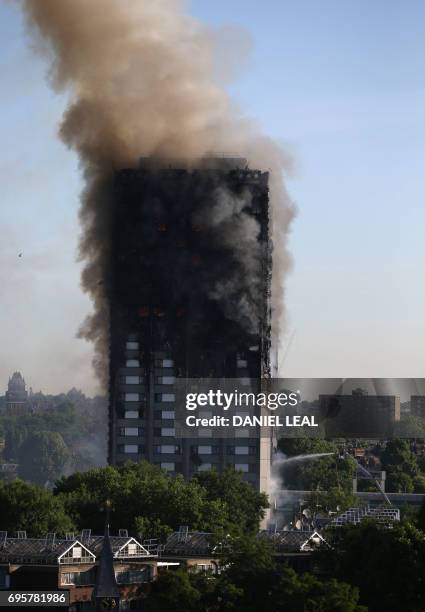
{"x": 123, "y": 533}
{"x": 22, "y": 535}
{"x": 85, "y": 535}
{"x": 50, "y": 540}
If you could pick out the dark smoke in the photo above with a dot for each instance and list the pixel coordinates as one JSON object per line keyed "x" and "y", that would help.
{"x": 141, "y": 80}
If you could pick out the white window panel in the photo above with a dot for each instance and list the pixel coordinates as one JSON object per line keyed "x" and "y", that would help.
{"x": 168, "y": 397}
{"x": 167, "y": 363}
{"x": 204, "y": 467}
{"x": 241, "y": 363}
{"x": 132, "y": 363}
{"x": 168, "y": 380}
{"x": 245, "y": 381}
{"x": 132, "y": 346}
{"x": 168, "y": 431}
{"x": 131, "y": 397}
{"x": 168, "y": 449}
{"x": 243, "y": 467}
{"x": 168, "y": 414}
{"x": 204, "y": 450}
{"x": 242, "y": 432}
{"x": 131, "y": 431}
{"x": 131, "y": 448}
{"x": 131, "y": 414}
{"x": 168, "y": 465}
{"x": 132, "y": 380}
{"x": 204, "y": 432}
{"x": 241, "y": 450}
{"x": 76, "y": 552}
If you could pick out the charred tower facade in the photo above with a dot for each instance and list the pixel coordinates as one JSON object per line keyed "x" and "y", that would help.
{"x": 189, "y": 297}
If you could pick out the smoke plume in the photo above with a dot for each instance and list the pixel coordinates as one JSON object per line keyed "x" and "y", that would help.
{"x": 141, "y": 78}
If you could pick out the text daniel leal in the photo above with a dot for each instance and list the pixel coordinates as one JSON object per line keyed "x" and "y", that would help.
{"x": 272, "y": 420}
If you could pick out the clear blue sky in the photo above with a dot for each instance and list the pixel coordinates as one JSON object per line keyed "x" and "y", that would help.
{"x": 342, "y": 85}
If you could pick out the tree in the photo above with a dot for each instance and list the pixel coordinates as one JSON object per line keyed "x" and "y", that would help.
{"x": 42, "y": 457}
{"x": 173, "y": 592}
{"x": 397, "y": 453}
{"x": 144, "y": 495}
{"x": 401, "y": 467}
{"x": 334, "y": 500}
{"x": 305, "y": 446}
{"x": 24, "y": 506}
{"x": 245, "y": 505}
{"x": 14, "y": 436}
{"x": 250, "y": 580}
{"x": 385, "y": 564}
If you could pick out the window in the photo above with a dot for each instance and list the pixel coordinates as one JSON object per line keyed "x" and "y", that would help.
{"x": 169, "y": 466}
{"x": 164, "y": 363}
{"x": 242, "y": 467}
{"x": 132, "y": 380}
{"x": 131, "y": 414}
{"x": 132, "y": 549}
{"x": 167, "y": 449}
{"x": 203, "y": 432}
{"x": 242, "y": 432}
{"x": 204, "y": 450}
{"x": 167, "y": 414}
{"x": 241, "y": 363}
{"x": 76, "y": 552}
{"x": 4, "y": 578}
{"x": 204, "y": 467}
{"x": 132, "y": 346}
{"x": 131, "y": 448}
{"x": 129, "y": 431}
{"x": 241, "y": 450}
{"x": 77, "y": 578}
{"x": 131, "y": 397}
{"x": 133, "y": 576}
{"x": 168, "y": 431}
{"x": 165, "y": 397}
{"x": 165, "y": 380}
{"x": 132, "y": 363}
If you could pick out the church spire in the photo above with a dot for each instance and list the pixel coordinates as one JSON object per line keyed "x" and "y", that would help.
{"x": 106, "y": 591}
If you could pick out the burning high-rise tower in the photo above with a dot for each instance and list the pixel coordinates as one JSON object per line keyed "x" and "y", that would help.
{"x": 189, "y": 296}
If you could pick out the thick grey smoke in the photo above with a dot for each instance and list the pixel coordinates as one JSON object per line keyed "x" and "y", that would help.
{"x": 141, "y": 76}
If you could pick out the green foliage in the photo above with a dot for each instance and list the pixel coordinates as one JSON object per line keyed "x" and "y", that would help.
{"x": 28, "y": 507}
{"x": 410, "y": 427}
{"x": 401, "y": 467}
{"x": 174, "y": 592}
{"x": 385, "y": 564}
{"x": 151, "y": 528}
{"x": 144, "y": 497}
{"x": 79, "y": 420}
{"x": 333, "y": 500}
{"x": 250, "y": 580}
{"x": 42, "y": 457}
{"x": 421, "y": 517}
{"x": 305, "y": 446}
{"x": 245, "y": 504}
{"x": 15, "y": 434}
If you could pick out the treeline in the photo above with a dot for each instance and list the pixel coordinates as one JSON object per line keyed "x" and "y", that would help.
{"x": 59, "y": 435}
{"x": 364, "y": 567}
{"x": 334, "y": 474}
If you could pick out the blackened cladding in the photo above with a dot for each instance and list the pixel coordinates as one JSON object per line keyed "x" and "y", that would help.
{"x": 190, "y": 271}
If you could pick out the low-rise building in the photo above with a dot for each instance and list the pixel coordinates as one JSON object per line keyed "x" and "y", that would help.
{"x": 72, "y": 564}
